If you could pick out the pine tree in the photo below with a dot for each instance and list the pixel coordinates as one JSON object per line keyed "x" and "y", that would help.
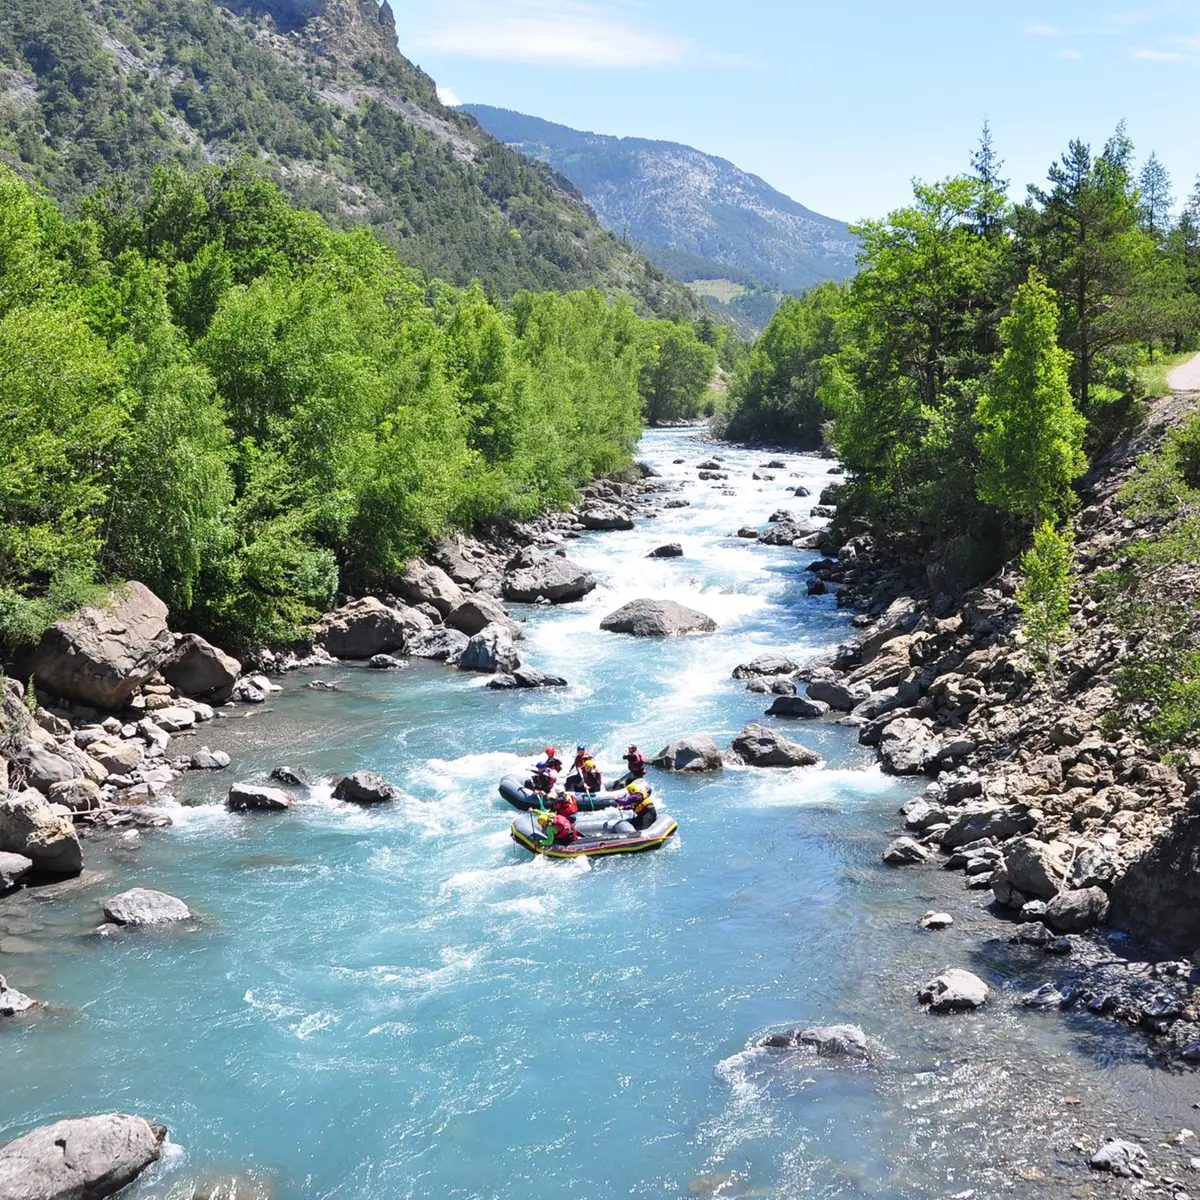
{"x": 993, "y": 191}
{"x": 1044, "y": 596}
{"x": 1155, "y": 185}
{"x": 1031, "y": 435}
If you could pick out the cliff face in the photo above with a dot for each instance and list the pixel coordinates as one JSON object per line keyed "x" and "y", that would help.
{"x": 342, "y": 28}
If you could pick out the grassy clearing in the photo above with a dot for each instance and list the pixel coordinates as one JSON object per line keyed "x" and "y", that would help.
{"x": 721, "y": 290}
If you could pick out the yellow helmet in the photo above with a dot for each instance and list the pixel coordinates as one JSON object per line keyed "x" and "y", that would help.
{"x": 636, "y": 789}
{"x": 544, "y": 818}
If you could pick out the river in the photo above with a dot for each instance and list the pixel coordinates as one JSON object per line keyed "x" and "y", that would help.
{"x": 400, "y": 1003}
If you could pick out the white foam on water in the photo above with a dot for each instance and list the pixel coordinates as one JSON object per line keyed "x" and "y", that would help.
{"x": 315, "y": 1022}
{"x": 805, "y": 787}
{"x": 274, "y": 1008}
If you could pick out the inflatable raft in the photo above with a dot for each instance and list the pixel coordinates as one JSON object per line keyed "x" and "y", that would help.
{"x": 520, "y": 795}
{"x": 614, "y": 836}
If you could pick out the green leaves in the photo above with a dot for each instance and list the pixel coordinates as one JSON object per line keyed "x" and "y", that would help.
{"x": 1031, "y": 435}
{"x": 1044, "y": 595}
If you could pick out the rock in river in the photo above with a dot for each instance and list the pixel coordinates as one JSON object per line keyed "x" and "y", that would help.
{"x": 657, "y": 618}
{"x": 765, "y": 665}
{"x": 904, "y": 852}
{"x": 605, "y": 516}
{"x": 1119, "y": 1157}
{"x": 365, "y": 787}
{"x": 551, "y": 577}
{"x": 492, "y": 651}
{"x": 423, "y": 583}
{"x": 144, "y": 906}
{"x": 759, "y": 746}
{"x": 104, "y": 653}
{"x": 798, "y": 707}
{"x": 13, "y": 1004}
{"x": 954, "y": 990}
{"x": 1076, "y": 910}
{"x": 30, "y": 827}
{"x": 251, "y": 797}
{"x": 385, "y": 662}
{"x": 440, "y": 645}
{"x": 14, "y": 868}
{"x": 936, "y": 920}
{"x": 670, "y": 550}
{"x": 696, "y": 753}
{"x": 476, "y": 613}
{"x": 209, "y": 760}
{"x": 81, "y": 1159}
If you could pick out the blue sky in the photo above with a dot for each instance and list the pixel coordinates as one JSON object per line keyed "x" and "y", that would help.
{"x": 838, "y": 104}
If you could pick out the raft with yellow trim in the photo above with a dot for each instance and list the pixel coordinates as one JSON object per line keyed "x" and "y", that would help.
{"x": 613, "y": 836}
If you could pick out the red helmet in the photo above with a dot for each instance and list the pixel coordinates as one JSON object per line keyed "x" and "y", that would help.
{"x": 550, "y": 752}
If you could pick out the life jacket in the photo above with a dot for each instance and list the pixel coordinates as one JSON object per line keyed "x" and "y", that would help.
{"x": 564, "y": 832}
{"x": 641, "y": 798}
{"x": 544, "y": 779}
{"x": 565, "y": 806}
{"x": 580, "y": 759}
{"x": 636, "y": 763}
{"x": 592, "y": 779}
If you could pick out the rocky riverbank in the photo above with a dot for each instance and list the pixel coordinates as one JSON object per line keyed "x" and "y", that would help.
{"x": 1067, "y": 826}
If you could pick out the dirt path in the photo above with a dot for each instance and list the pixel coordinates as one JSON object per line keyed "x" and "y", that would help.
{"x": 1186, "y": 378}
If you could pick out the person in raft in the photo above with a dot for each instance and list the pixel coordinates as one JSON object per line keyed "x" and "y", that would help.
{"x": 581, "y": 756}
{"x": 589, "y": 775}
{"x": 635, "y": 761}
{"x": 556, "y": 829}
{"x": 564, "y": 804}
{"x": 545, "y": 774}
{"x": 638, "y": 798}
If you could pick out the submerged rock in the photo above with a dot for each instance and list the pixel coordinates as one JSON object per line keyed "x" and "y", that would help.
{"x": 81, "y": 1159}
{"x": 525, "y": 678}
{"x": 144, "y": 906}
{"x": 365, "y": 787}
{"x": 1119, "y": 1157}
{"x": 759, "y": 746}
{"x": 697, "y": 752}
{"x": 954, "y": 990}
{"x": 657, "y": 618}
{"x": 829, "y": 1041}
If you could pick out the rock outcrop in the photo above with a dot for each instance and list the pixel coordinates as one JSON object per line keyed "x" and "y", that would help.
{"x": 104, "y": 653}
{"x": 423, "y": 583}
{"x": 31, "y": 828}
{"x": 491, "y": 651}
{"x": 657, "y": 618}
{"x": 365, "y": 787}
{"x": 251, "y": 797}
{"x": 81, "y": 1159}
{"x": 145, "y": 906}
{"x": 197, "y": 668}
{"x": 365, "y": 628}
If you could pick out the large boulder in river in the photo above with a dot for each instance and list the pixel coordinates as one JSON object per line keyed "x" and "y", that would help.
{"x": 80, "y": 1159}
{"x": 365, "y": 628}
{"x": 784, "y": 533}
{"x": 365, "y": 787}
{"x": 696, "y": 753}
{"x": 476, "y": 613}
{"x": 198, "y": 668}
{"x": 759, "y": 746}
{"x": 800, "y": 708}
{"x": 903, "y": 852}
{"x": 492, "y": 651}
{"x": 423, "y": 583}
{"x": 30, "y": 827}
{"x": 657, "y": 618}
{"x": 670, "y": 550}
{"x": 1076, "y": 910}
{"x": 954, "y": 990}
{"x": 145, "y": 906}
{"x": 104, "y": 653}
{"x": 551, "y": 578}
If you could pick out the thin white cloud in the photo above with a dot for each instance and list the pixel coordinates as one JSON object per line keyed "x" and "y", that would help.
{"x": 1149, "y": 54}
{"x": 1046, "y": 31}
{"x": 1071, "y": 55}
{"x": 447, "y": 97}
{"x": 566, "y": 33}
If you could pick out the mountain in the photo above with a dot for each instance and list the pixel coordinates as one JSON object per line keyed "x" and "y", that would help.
{"x": 696, "y": 215}
{"x": 317, "y": 92}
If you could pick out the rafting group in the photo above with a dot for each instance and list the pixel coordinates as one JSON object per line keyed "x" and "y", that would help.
{"x": 578, "y": 817}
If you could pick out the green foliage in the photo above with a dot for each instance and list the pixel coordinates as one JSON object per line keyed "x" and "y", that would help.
{"x": 217, "y": 394}
{"x": 676, "y": 372}
{"x": 1031, "y": 434}
{"x": 777, "y": 394}
{"x": 1044, "y": 595}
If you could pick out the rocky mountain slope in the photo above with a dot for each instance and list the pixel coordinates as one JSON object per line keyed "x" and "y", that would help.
{"x": 696, "y": 215}
{"x": 317, "y": 92}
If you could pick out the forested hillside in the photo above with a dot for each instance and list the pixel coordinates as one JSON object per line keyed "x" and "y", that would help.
{"x": 696, "y": 215}
{"x": 213, "y": 392}
{"x": 315, "y": 90}
{"x": 985, "y": 355}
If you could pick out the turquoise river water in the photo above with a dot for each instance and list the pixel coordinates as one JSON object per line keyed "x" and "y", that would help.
{"x": 400, "y": 1003}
